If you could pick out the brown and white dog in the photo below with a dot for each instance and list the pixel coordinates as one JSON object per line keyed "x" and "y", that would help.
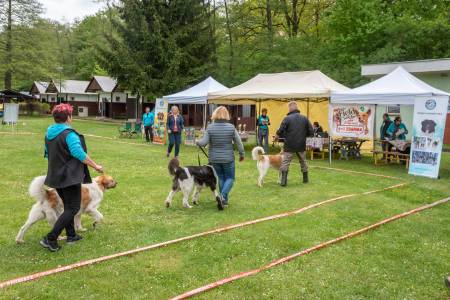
{"x": 50, "y": 206}
{"x": 264, "y": 162}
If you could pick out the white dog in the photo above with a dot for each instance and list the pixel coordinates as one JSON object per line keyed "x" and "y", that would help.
{"x": 264, "y": 162}
{"x": 50, "y": 206}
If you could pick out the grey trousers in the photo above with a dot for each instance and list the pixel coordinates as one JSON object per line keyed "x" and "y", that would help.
{"x": 287, "y": 158}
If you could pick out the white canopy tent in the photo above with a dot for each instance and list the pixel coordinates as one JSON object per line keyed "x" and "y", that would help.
{"x": 287, "y": 85}
{"x": 396, "y": 88}
{"x": 198, "y": 94}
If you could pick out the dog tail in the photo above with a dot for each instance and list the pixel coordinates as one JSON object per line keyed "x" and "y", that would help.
{"x": 37, "y": 188}
{"x": 257, "y": 153}
{"x": 174, "y": 164}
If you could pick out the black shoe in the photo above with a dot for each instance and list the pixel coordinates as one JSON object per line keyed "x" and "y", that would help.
{"x": 73, "y": 239}
{"x": 305, "y": 177}
{"x": 219, "y": 200}
{"x": 447, "y": 281}
{"x": 50, "y": 245}
{"x": 284, "y": 175}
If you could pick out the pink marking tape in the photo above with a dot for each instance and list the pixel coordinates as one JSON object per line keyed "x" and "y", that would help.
{"x": 84, "y": 263}
{"x": 304, "y": 252}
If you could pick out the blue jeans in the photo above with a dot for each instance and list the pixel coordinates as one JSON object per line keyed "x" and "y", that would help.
{"x": 174, "y": 139}
{"x": 263, "y": 135}
{"x": 225, "y": 172}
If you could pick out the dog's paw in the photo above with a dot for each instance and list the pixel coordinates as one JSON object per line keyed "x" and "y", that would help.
{"x": 195, "y": 202}
{"x": 187, "y": 206}
{"x": 20, "y": 241}
{"x": 167, "y": 204}
{"x": 62, "y": 238}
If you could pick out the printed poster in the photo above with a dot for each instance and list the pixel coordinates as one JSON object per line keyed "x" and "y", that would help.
{"x": 190, "y": 136}
{"x": 428, "y": 135}
{"x": 11, "y": 113}
{"x": 159, "y": 128}
{"x": 351, "y": 120}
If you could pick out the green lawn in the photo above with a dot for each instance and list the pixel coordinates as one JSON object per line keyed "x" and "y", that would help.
{"x": 407, "y": 259}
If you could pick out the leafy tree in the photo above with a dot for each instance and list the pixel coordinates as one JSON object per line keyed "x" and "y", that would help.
{"x": 161, "y": 46}
{"x": 13, "y": 14}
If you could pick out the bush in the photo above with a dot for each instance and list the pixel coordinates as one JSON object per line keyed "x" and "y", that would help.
{"x": 34, "y": 108}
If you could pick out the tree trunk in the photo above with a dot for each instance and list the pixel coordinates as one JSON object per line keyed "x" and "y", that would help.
{"x": 230, "y": 39}
{"x": 8, "y": 48}
{"x": 269, "y": 23}
{"x": 287, "y": 17}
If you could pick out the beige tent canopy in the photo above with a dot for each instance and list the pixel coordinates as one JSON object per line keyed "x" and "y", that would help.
{"x": 269, "y": 90}
{"x": 287, "y": 85}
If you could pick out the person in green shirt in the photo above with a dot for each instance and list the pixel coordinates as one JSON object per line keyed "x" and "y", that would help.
{"x": 263, "y": 123}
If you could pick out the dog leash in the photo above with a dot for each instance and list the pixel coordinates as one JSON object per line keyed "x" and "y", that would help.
{"x": 198, "y": 155}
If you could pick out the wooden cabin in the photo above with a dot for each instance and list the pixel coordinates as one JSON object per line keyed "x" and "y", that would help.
{"x": 112, "y": 101}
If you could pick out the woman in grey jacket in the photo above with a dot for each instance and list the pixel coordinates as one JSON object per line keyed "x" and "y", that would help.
{"x": 220, "y": 136}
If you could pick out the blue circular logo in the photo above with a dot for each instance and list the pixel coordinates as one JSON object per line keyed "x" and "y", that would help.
{"x": 430, "y": 104}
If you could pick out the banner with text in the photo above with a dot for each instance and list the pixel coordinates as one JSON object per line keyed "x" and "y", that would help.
{"x": 159, "y": 128}
{"x": 355, "y": 120}
{"x": 428, "y": 135}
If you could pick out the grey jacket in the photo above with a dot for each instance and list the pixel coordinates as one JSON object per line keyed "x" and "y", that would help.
{"x": 220, "y": 137}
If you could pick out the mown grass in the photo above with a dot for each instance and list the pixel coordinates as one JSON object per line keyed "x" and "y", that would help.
{"x": 405, "y": 259}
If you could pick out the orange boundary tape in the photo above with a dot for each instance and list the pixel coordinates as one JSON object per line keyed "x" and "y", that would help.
{"x": 84, "y": 263}
{"x": 356, "y": 172}
{"x": 304, "y": 252}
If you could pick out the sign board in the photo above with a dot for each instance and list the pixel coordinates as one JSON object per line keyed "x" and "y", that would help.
{"x": 159, "y": 128}
{"x": 11, "y": 113}
{"x": 190, "y": 136}
{"x": 351, "y": 120}
{"x": 428, "y": 135}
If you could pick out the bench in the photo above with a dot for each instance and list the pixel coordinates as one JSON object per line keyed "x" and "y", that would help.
{"x": 392, "y": 156}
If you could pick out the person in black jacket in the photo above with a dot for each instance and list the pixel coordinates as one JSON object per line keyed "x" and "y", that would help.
{"x": 385, "y": 145}
{"x": 295, "y": 128}
{"x": 67, "y": 170}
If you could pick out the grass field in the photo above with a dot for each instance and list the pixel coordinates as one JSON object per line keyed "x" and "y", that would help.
{"x": 407, "y": 259}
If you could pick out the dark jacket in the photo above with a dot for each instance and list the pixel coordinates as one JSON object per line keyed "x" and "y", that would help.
{"x": 64, "y": 169}
{"x": 384, "y": 127}
{"x": 295, "y": 128}
{"x": 171, "y": 123}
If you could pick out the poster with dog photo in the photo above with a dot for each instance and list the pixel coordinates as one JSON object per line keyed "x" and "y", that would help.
{"x": 159, "y": 128}
{"x": 351, "y": 120}
{"x": 428, "y": 133}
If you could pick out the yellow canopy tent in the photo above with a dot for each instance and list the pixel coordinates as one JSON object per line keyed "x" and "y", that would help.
{"x": 311, "y": 89}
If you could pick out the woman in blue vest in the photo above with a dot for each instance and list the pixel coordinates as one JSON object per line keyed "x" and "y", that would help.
{"x": 148, "y": 119}
{"x": 263, "y": 130}
{"x": 175, "y": 126}
{"x": 67, "y": 170}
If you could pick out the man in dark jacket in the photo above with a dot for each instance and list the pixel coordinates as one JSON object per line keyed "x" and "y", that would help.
{"x": 385, "y": 145}
{"x": 295, "y": 128}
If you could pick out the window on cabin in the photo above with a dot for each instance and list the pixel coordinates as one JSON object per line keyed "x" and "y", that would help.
{"x": 246, "y": 111}
{"x": 117, "y": 98}
{"x": 72, "y": 98}
{"x": 53, "y": 99}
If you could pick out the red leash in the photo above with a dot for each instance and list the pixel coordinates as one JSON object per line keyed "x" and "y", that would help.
{"x": 304, "y": 252}
{"x": 190, "y": 237}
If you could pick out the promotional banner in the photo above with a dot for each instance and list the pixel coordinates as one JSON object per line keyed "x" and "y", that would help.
{"x": 428, "y": 135}
{"x": 351, "y": 120}
{"x": 159, "y": 128}
{"x": 190, "y": 136}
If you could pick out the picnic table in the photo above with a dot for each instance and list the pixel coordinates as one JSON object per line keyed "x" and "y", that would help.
{"x": 317, "y": 145}
{"x": 349, "y": 147}
{"x": 398, "y": 153}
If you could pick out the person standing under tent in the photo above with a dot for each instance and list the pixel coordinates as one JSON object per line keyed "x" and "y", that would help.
{"x": 263, "y": 123}
{"x": 67, "y": 157}
{"x": 175, "y": 126}
{"x": 221, "y": 136}
{"x": 385, "y": 145}
{"x": 294, "y": 128}
{"x": 148, "y": 120}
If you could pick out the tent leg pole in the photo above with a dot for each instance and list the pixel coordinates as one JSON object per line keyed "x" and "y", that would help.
{"x": 330, "y": 149}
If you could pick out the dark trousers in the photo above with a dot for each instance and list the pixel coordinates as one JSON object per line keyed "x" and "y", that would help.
{"x": 263, "y": 137}
{"x": 148, "y": 131}
{"x": 71, "y": 197}
{"x": 174, "y": 139}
